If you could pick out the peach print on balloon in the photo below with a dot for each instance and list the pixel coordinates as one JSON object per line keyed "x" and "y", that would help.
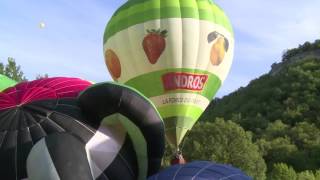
{"x": 218, "y": 49}
{"x": 113, "y": 63}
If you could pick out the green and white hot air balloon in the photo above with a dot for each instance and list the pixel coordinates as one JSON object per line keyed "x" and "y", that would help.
{"x": 176, "y": 52}
{"x": 5, "y": 82}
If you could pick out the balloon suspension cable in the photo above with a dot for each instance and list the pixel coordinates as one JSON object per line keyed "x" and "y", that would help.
{"x": 183, "y": 141}
{"x": 177, "y": 154}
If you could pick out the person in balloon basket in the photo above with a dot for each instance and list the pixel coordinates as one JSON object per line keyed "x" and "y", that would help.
{"x": 178, "y": 159}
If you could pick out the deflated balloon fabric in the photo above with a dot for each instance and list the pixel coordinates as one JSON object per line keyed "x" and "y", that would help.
{"x": 201, "y": 170}
{"x": 120, "y": 139}
{"x": 32, "y": 110}
{"x": 126, "y": 116}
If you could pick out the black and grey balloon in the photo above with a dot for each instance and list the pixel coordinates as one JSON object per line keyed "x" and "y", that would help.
{"x": 44, "y": 121}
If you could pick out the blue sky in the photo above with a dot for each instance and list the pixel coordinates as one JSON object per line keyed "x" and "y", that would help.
{"x": 71, "y": 42}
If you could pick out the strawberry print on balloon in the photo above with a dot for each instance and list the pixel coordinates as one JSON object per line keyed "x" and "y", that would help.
{"x": 154, "y": 43}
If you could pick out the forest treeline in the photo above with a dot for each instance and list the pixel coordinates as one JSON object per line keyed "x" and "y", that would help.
{"x": 281, "y": 112}
{"x": 307, "y": 46}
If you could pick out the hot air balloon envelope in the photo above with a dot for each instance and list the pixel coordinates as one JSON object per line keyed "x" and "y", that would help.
{"x": 177, "y": 53}
{"x": 111, "y": 107}
{"x": 201, "y": 170}
{"x": 42, "y": 25}
{"x": 39, "y": 119}
{"x": 5, "y": 82}
{"x": 32, "y": 110}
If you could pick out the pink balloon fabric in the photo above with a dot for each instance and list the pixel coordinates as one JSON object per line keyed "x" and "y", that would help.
{"x": 42, "y": 89}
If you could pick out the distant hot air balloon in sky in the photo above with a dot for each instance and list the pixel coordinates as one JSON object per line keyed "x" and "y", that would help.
{"x": 5, "y": 82}
{"x": 177, "y": 53}
{"x": 42, "y": 25}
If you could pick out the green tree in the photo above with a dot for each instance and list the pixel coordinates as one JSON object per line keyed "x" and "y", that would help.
{"x": 1, "y": 68}
{"x": 305, "y": 135}
{"x": 306, "y": 159}
{"x": 225, "y": 142}
{"x": 275, "y": 130}
{"x": 292, "y": 95}
{"x": 306, "y": 175}
{"x": 277, "y": 150}
{"x": 281, "y": 109}
{"x": 12, "y": 70}
{"x": 317, "y": 175}
{"x": 282, "y": 171}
